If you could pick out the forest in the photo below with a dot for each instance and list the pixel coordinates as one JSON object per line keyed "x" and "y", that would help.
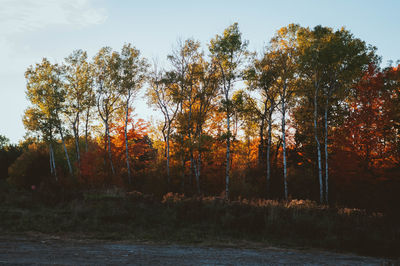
{"x": 312, "y": 118}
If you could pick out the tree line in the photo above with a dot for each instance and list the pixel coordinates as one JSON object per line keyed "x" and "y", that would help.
{"x": 314, "y": 105}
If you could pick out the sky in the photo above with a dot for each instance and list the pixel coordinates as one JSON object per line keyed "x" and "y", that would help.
{"x": 33, "y": 29}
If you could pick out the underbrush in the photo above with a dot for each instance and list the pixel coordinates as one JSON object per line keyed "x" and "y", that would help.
{"x": 116, "y": 214}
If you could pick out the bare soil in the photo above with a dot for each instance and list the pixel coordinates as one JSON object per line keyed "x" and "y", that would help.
{"x": 20, "y": 250}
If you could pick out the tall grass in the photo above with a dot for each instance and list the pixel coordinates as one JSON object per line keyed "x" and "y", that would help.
{"x": 132, "y": 215}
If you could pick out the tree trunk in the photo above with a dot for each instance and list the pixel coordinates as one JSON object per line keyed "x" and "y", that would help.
{"x": 109, "y": 149}
{"x": 78, "y": 156}
{"x": 326, "y": 152}
{"x": 269, "y": 151}
{"x": 198, "y": 173}
{"x": 228, "y": 147}
{"x": 196, "y": 169}
{"x": 197, "y": 162}
{"x": 86, "y": 129}
{"x": 52, "y": 162}
{"x": 126, "y": 142}
{"x": 51, "y": 159}
{"x": 193, "y": 168}
{"x": 168, "y": 133}
{"x": 261, "y": 145}
{"x": 66, "y": 152}
{"x": 189, "y": 130}
{"x": 284, "y": 144}
{"x": 321, "y": 199}
{"x": 183, "y": 173}
{"x": 76, "y": 137}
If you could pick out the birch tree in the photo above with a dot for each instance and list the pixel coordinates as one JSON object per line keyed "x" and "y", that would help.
{"x": 46, "y": 93}
{"x": 228, "y": 52}
{"x": 132, "y": 74}
{"x": 332, "y": 62}
{"x": 349, "y": 59}
{"x": 160, "y": 96}
{"x": 185, "y": 61}
{"x": 284, "y": 56}
{"x": 107, "y": 93}
{"x": 261, "y": 76}
{"x": 79, "y": 93}
{"x": 37, "y": 122}
{"x": 206, "y": 94}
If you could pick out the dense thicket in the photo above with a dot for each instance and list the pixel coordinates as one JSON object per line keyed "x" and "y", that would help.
{"x": 313, "y": 116}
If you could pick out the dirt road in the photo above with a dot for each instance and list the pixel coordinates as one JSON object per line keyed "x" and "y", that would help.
{"x": 28, "y": 250}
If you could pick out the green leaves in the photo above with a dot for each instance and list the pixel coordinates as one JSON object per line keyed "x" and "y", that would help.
{"x": 4, "y": 141}
{"x": 78, "y": 82}
{"x": 46, "y": 93}
{"x": 229, "y": 51}
{"x": 132, "y": 69}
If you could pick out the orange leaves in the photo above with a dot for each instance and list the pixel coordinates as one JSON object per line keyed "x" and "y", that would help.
{"x": 139, "y": 145}
{"x": 94, "y": 170}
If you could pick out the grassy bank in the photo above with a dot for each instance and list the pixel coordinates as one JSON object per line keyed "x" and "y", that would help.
{"x": 118, "y": 215}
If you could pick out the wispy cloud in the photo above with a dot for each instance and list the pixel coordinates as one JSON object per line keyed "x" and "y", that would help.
{"x": 29, "y": 15}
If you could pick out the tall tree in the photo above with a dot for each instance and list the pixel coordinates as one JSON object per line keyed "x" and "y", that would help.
{"x": 261, "y": 76}
{"x": 205, "y": 96}
{"x": 131, "y": 75}
{"x": 195, "y": 88}
{"x": 46, "y": 93}
{"x": 312, "y": 63}
{"x": 107, "y": 92}
{"x": 159, "y": 95}
{"x": 79, "y": 93}
{"x": 284, "y": 59}
{"x": 349, "y": 58}
{"x": 228, "y": 52}
{"x": 185, "y": 61}
{"x": 333, "y": 62}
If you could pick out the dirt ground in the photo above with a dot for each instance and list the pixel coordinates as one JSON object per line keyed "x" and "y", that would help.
{"x": 17, "y": 250}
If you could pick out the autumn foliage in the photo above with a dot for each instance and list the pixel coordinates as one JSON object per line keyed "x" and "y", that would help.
{"x": 94, "y": 170}
{"x": 315, "y": 104}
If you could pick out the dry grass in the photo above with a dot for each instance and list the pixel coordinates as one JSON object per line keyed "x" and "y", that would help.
{"x": 115, "y": 214}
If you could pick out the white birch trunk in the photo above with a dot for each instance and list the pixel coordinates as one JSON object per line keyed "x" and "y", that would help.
{"x": 66, "y": 152}
{"x": 86, "y": 129}
{"x": 326, "y": 153}
{"x": 261, "y": 145}
{"x": 168, "y": 174}
{"x": 284, "y": 142}
{"x": 228, "y": 146}
{"x": 76, "y": 137}
{"x": 78, "y": 156}
{"x": 269, "y": 151}
{"x": 53, "y": 163}
{"x": 126, "y": 142}
{"x": 109, "y": 149}
{"x": 321, "y": 198}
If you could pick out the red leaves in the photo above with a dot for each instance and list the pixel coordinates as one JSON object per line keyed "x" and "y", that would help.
{"x": 368, "y": 131}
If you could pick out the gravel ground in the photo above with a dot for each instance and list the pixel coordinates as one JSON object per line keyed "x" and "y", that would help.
{"x": 42, "y": 251}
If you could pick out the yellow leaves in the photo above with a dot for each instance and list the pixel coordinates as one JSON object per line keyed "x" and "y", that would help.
{"x": 282, "y": 31}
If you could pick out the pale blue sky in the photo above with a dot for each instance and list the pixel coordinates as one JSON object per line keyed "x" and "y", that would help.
{"x": 32, "y": 29}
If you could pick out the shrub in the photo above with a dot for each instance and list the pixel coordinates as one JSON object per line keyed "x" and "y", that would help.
{"x": 31, "y": 168}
